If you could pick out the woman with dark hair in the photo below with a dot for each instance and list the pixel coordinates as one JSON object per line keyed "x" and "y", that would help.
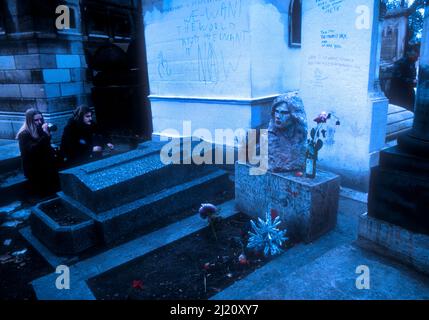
{"x": 80, "y": 140}
{"x": 37, "y": 155}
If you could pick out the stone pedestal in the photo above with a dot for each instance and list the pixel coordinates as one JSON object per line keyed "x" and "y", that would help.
{"x": 395, "y": 242}
{"x": 307, "y": 207}
{"x": 399, "y": 189}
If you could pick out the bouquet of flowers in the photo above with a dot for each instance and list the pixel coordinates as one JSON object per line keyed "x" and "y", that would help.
{"x": 315, "y": 142}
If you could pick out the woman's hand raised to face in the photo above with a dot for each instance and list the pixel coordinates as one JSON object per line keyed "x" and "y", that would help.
{"x": 45, "y": 128}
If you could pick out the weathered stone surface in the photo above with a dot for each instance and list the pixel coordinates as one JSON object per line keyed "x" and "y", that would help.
{"x": 131, "y": 218}
{"x": 63, "y": 240}
{"x": 396, "y": 242}
{"x": 9, "y": 91}
{"x": 129, "y": 194}
{"x": 120, "y": 179}
{"x": 307, "y": 207}
{"x": 287, "y": 134}
{"x": 337, "y": 76}
{"x": 399, "y": 190}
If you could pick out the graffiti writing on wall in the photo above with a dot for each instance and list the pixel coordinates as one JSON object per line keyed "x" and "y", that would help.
{"x": 329, "y": 6}
{"x": 211, "y": 35}
{"x": 332, "y": 39}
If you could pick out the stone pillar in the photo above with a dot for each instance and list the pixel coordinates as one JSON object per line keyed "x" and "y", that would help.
{"x": 340, "y": 55}
{"x": 399, "y": 189}
{"x": 417, "y": 141}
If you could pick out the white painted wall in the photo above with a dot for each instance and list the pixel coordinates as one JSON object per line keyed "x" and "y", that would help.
{"x": 275, "y": 66}
{"x": 339, "y": 48}
{"x": 215, "y": 52}
{"x": 198, "y": 48}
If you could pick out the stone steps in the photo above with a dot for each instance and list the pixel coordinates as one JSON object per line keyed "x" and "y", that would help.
{"x": 12, "y": 186}
{"x": 123, "y": 197}
{"x": 13, "y": 183}
{"x": 120, "y": 182}
{"x": 83, "y": 270}
{"x": 399, "y": 120}
{"x": 12, "y": 180}
{"x": 10, "y": 157}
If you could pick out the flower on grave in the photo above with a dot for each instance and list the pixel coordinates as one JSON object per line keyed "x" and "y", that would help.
{"x": 242, "y": 259}
{"x": 299, "y": 174}
{"x": 267, "y": 236}
{"x": 210, "y": 212}
{"x": 207, "y": 210}
{"x": 318, "y": 134}
{"x": 274, "y": 214}
{"x": 137, "y": 284}
{"x": 322, "y": 117}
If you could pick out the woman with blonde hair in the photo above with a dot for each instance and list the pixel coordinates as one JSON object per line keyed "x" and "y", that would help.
{"x": 37, "y": 155}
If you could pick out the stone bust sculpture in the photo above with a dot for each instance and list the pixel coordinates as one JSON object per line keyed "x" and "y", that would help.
{"x": 287, "y": 134}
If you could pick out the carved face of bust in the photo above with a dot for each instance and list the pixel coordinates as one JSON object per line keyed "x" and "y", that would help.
{"x": 282, "y": 117}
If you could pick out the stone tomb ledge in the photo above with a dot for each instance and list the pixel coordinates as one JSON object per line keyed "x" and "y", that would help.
{"x": 395, "y": 242}
{"x": 307, "y": 207}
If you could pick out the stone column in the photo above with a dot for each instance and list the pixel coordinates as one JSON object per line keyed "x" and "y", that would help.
{"x": 339, "y": 75}
{"x": 399, "y": 188}
{"x": 417, "y": 141}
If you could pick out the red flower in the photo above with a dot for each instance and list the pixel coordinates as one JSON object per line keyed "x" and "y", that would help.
{"x": 137, "y": 284}
{"x": 274, "y": 214}
{"x": 242, "y": 259}
{"x": 322, "y": 117}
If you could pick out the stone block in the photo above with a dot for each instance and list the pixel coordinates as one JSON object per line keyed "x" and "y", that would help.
{"x": 68, "y": 61}
{"x": 307, "y": 207}
{"x": 33, "y": 90}
{"x": 7, "y": 63}
{"x": 48, "y": 61}
{"x": 9, "y": 91}
{"x": 399, "y": 190}
{"x": 35, "y": 61}
{"x": 120, "y": 179}
{"x": 78, "y": 74}
{"x": 76, "y": 47}
{"x": 57, "y": 104}
{"x": 53, "y": 46}
{"x": 56, "y": 75}
{"x": 129, "y": 219}
{"x": 17, "y": 104}
{"x": 394, "y": 241}
{"x": 71, "y": 89}
{"x": 83, "y": 61}
{"x": 16, "y": 76}
{"x": 12, "y": 47}
{"x": 37, "y": 76}
{"x": 62, "y": 239}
